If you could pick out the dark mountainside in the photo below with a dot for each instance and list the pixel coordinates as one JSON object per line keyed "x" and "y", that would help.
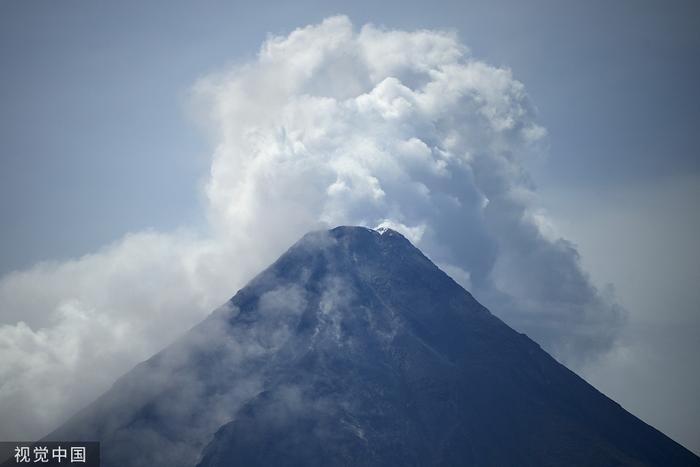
{"x": 354, "y": 349}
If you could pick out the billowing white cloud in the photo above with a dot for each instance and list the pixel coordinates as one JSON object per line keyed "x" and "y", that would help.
{"x": 328, "y": 126}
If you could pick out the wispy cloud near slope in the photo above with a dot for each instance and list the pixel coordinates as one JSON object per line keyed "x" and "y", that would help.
{"x": 329, "y": 125}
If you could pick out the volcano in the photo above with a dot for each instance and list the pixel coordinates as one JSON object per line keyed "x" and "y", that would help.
{"x": 354, "y": 349}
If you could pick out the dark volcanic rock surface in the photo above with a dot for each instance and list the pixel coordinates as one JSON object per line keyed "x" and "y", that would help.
{"x": 354, "y": 349}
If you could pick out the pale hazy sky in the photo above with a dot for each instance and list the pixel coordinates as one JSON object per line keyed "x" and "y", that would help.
{"x": 98, "y": 138}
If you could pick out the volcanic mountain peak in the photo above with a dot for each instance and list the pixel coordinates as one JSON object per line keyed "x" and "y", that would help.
{"x": 353, "y": 348}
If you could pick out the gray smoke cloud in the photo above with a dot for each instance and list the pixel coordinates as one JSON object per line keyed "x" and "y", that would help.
{"x": 329, "y": 125}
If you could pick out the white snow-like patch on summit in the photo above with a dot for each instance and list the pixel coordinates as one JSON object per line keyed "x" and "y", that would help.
{"x": 413, "y": 234}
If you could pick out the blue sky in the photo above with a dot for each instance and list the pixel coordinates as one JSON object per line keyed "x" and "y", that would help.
{"x": 106, "y": 85}
{"x": 99, "y": 137}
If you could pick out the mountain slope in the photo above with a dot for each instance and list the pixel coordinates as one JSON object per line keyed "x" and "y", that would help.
{"x": 354, "y": 349}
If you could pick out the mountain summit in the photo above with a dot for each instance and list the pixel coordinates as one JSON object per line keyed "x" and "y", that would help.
{"x": 353, "y": 348}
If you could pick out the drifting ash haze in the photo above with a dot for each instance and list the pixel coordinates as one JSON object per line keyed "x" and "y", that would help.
{"x": 327, "y": 126}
